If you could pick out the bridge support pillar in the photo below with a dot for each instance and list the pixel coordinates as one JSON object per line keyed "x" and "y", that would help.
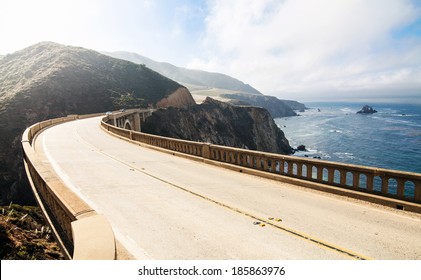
{"x": 136, "y": 122}
{"x": 114, "y": 121}
{"x": 206, "y": 150}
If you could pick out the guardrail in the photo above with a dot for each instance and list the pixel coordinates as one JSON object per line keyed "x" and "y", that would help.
{"x": 79, "y": 230}
{"x": 83, "y": 234}
{"x": 390, "y": 183}
{"x": 403, "y": 189}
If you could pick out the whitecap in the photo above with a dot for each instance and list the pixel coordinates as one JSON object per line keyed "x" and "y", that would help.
{"x": 347, "y": 110}
{"x": 405, "y": 115}
{"x": 344, "y": 155}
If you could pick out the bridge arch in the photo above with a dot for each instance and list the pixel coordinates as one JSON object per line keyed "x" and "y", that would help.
{"x": 128, "y": 125}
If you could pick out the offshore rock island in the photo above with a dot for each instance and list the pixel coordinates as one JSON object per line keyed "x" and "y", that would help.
{"x": 367, "y": 110}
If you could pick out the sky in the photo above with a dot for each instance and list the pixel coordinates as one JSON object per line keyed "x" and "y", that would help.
{"x": 306, "y": 50}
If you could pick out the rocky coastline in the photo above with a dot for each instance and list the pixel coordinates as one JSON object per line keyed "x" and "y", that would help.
{"x": 220, "y": 123}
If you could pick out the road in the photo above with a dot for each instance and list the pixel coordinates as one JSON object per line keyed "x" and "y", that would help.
{"x": 167, "y": 207}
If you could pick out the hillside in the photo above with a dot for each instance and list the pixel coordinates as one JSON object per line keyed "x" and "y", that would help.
{"x": 49, "y": 80}
{"x": 221, "y": 87}
{"x": 276, "y": 107}
{"x": 24, "y": 236}
{"x": 187, "y": 76}
{"x": 220, "y": 123}
{"x": 75, "y": 72}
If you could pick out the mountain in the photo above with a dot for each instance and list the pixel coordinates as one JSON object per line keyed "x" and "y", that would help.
{"x": 187, "y": 76}
{"x": 220, "y": 123}
{"x": 218, "y": 86}
{"x": 295, "y": 105}
{"x": 58, "y": 71}
{"x": 49, "y": 80}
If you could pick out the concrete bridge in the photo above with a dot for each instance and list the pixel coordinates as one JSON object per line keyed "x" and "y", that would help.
{"x": 129, "y": 119}
{"x": 111, "y": 192}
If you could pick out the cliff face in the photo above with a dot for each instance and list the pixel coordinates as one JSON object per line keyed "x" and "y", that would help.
{"x": 222, "y": 124}
{"x": 49, "y": 80}
{"x": 181, "y": 98}
{"x": 276, "y": 107}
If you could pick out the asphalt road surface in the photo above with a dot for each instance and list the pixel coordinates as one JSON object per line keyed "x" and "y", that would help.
{"x": 167, "y": 207}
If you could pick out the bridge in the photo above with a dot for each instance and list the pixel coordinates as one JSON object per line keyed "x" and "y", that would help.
{"x": 109, "y": 191}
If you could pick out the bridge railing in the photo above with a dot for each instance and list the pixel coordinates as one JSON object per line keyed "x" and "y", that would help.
{"x": 79, "y": 230}
{"x": 390, "y": 183}
{"x": 354, "y": 180}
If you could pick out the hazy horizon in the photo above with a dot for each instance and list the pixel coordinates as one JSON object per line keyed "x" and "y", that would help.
{"x": 305, "y": 50}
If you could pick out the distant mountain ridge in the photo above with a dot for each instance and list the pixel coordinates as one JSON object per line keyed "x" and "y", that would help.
{"x": 219, "y": 86}
{"x": 187, "y": 76}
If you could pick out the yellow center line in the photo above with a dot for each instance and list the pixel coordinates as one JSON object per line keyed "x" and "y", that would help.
{"x": 296, "y": 233}
{"x": 307, "y": 237}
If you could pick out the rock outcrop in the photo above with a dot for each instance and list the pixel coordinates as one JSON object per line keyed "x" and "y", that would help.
{"x": 181, "y": 98}
{"x": 222, "y": 124}
{"x": 276, "y": 107}
{"x": 367, "y": 110}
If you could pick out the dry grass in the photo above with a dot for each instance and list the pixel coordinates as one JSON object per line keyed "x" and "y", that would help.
{"x": 24, "y": 236}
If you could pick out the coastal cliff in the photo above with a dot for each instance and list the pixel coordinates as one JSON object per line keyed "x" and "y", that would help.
{"x": 181, "y": 98}
{"x": 276, "y": 107}
{"x": 220, "y": 123}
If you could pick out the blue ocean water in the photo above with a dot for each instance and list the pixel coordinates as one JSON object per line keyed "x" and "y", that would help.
{"x": 390, "y": 138}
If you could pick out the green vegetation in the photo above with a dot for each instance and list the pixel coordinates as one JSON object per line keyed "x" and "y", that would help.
{"x": 127, "y": 100}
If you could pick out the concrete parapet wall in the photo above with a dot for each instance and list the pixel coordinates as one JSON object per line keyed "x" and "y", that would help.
{"x": 87, "y": 240}
{"x": 77, "y": 227}
{"x": 392, "y": 188}
{"x": 67, "y": 214}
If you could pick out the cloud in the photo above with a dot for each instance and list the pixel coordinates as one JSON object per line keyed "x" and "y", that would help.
{"x": 309, "y": 46}
{"x": 23, "y": 23}
{"x": 164, "y": 30}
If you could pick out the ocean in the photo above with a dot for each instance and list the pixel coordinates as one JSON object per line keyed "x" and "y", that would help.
{"x": 390, "y": 138}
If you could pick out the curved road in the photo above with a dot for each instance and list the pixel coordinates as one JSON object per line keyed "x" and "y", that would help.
{"x": 166, "y": 207}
